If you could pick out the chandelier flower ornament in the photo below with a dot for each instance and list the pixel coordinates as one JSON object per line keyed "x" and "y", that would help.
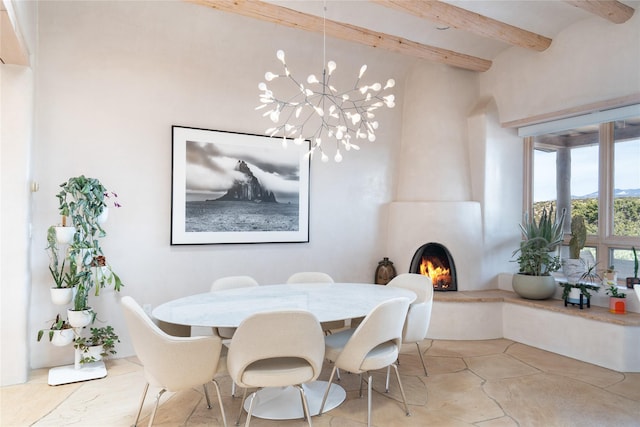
{"x": 342, "y": 116}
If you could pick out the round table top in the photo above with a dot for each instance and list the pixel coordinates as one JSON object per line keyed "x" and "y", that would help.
{"x": 327, "y": 301}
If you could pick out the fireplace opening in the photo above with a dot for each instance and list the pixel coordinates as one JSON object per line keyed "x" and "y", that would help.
{"x": 435, "y": 260}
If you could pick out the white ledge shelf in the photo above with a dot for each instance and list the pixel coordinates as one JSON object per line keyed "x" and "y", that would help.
{"x": 592, "y": 334}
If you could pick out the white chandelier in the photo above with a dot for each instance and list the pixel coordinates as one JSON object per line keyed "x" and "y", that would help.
{"x": 342, "y": 116}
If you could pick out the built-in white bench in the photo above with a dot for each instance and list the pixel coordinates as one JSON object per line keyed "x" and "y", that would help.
{"x": 592, "y": 334}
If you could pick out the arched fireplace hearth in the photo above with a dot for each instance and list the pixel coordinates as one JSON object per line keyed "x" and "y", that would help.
{"x": 435, "y": 260}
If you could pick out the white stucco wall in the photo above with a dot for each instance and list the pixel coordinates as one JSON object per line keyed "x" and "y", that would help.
{"x": 593, "y": 60}
{"x": 114, "y": 76}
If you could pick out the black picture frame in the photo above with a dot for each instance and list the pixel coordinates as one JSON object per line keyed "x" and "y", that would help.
{"x": 229, "y": 187}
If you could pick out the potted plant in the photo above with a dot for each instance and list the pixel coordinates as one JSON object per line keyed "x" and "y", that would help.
{"x": 99, "y": 345}
{"x": 62, "y": 293}
{"x": 574, "y": 266}
{"x": 580, "y": 291}
{"x": 536, "y": 257}
{"x": 635, "y": 280}
{"x": 84, "y": 200}
{"x": 60, "y": 332}
{"x": 617, "y": 300}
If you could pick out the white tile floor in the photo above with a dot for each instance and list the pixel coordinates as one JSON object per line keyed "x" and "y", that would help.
{"x": 470, "y": 383}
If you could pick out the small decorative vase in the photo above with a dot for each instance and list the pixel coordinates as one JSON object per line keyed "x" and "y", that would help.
{"x": 617, "y": 305}
{"x": 62, "y": 337}
{"x": 79, "y": 318}
{"x": 61, "y": 296}
{"x": 534, "y": 287}
{"x": 385, "y": 272}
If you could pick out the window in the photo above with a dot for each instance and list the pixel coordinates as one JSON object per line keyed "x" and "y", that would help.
{"x": 592, "y": 169}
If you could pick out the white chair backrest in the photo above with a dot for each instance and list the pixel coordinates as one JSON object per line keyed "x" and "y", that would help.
{"x": 383, "y": 324}
{"x": 309, "y": 277}
{"x": 276, "y": 334}
{"x": 233, "y": 282}
{"x": 420, "y": 284}
{"x": 637, "y": 289}
{"x": 174, "y": 363}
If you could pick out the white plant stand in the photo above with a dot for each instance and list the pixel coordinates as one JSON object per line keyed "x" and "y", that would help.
{"x": 77, "y": 372}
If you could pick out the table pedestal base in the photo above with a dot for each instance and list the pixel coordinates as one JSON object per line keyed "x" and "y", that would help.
{"x": 284, "y": 403}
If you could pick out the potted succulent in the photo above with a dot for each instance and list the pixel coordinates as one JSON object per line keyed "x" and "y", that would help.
{"x": 617, "y": 300}
{"x": 83, "y": 200}
{"x": 60, "y": 332}
{"x": 536, "y": 256}
{"x": 635, "y": 280}
{"x": 99, "y": 345}
{"x": 574, "y": 266}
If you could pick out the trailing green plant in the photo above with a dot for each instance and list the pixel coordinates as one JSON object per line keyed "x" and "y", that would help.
{"x": 82, "y": 200}
{"x": 614, "y": 292}
{"x": 541, "y": 238}
{"x": 585, "y": 289}
{"x": 105, "y": 336}
{"x": 578, "y": 236}
{"x": 57, "y": 325}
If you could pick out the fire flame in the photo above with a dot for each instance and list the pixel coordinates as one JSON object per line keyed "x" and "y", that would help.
{"x": 440, "y": 277}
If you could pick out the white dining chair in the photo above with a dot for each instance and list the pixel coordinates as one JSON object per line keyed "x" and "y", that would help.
{"x": 172, "y": 363}
{"x": 419, "y": 315}
{"x": 310, "y": 277}
{"x": 373, "y": 345}
{"x": 231, "y": 282}
{"x": 637, "y": 289}
{"x": 276, "y": 349}
{"x": 304, "y": 277}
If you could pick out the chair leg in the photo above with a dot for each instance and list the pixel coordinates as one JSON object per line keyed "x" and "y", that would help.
{"x": 369, "y": 387}
{"x": 224, "y": 417}
{"x": 144, "y": 394}
{"x": 305, "y": 406}
{"x": 155, "y": 408}
{"x": 326, "y": 393}
{"x": 233, "y": 389}
{"x": 422, "y": 360}
{"x": 244, "y": 397}
{"x": 360, "y": 394}
{"x": 386, "y": 384}
{"x": 206, "y": 395}
{"x": 250, "y": 411}
{"x": 404, "y": 398}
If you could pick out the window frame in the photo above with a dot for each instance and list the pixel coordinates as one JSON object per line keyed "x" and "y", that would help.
{"x": 604, "y": 240}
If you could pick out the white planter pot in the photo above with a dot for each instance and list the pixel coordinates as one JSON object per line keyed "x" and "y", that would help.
{"x": 62, "y": 296}
{"x": 95, "y": 352}
{"x": 62, "y": 337}
{"x": 64, "y": 235}
{"x": 534, "y": 287}
{"x": 609, "y": 278}
{"x": 80, "y": 318}
{"x": 102, "y": 218}
{"x": 573, "y": 269}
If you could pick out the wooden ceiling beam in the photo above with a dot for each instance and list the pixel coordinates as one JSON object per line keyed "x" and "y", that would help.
{"x": 294, "y": 19}
{"x": 466, "y": 20}
{"x": 611, "y": 10}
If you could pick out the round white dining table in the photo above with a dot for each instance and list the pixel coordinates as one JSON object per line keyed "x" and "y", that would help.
{"x": 327, "y": 301}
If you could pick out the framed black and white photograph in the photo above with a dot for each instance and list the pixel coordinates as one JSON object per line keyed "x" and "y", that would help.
{"x": 232, "y": 187}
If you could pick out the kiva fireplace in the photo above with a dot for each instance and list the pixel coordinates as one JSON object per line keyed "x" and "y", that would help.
{"x": 435, "y": 261}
